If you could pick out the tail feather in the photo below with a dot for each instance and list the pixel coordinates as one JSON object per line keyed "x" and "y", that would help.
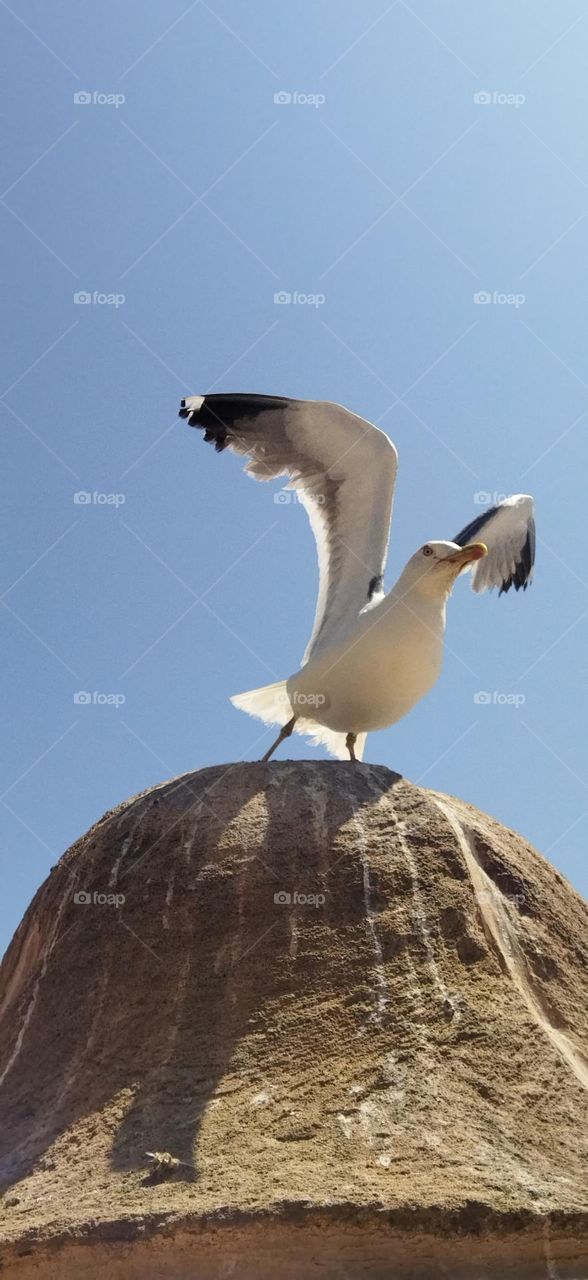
{"x": 272, "y": 705}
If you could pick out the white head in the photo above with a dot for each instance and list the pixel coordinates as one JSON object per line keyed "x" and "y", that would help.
{"x": 433, "y": 569}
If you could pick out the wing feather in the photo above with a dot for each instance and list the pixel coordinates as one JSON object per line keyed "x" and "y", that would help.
{"x": 508, "y": 529}
{"x": 344, "y": 471}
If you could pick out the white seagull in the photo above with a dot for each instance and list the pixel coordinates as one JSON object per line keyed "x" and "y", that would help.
{"x": 371, "y": 656}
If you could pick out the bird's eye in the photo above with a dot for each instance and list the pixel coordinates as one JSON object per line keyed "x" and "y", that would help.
{"x": 427, "y": 551}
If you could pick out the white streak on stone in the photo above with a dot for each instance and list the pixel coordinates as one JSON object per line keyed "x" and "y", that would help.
{"x": 396, "y": 1092}
{"x": 293, "y": 935}
{"x": 420, "y": 915}
{"x": 494, "y": 911}
{"x": 168, "y": 898}
{"x": 346, "y": 1125}
{"x": 126, "y": 844}
{"x": 380, "y": 990}
{"x": 33, "y": 1000}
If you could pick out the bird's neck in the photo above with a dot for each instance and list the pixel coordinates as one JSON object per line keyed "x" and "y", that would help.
{"x": 421, "y": 598}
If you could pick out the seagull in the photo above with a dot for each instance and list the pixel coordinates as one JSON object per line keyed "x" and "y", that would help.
{"x": 371, "y": 656}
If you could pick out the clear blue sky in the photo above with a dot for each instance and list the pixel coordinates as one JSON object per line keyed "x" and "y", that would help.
{"x": 382, "y": 185}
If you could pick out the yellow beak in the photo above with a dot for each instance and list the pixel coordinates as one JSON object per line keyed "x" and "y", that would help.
{"x": 473, "y": 551}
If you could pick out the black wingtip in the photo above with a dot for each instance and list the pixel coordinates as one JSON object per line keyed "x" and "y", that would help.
{"x": 220, "y": 415}
{"x": 522, "y": 576}
{"x": 474, "y": 528}
{"x": 375, "y": 586}
{"x": 207, "y": 418}
{"x": 186, "y": 412}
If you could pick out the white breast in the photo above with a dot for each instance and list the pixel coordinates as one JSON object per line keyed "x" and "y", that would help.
{"x": 385, "y": 665}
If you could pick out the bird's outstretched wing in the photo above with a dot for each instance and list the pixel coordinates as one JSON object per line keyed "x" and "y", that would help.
{"x": 508, "y": 529}
{"x": 343, "y": 470}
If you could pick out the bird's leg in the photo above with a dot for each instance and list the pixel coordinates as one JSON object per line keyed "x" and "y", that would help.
{"x": 350, "y": 744}
{"x": 284, "y": 733}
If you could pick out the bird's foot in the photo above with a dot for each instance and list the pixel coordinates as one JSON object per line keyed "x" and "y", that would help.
{"x": 284, "y": 733}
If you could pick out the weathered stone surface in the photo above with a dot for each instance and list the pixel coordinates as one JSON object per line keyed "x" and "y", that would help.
{"x": 384, "y": 1076}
